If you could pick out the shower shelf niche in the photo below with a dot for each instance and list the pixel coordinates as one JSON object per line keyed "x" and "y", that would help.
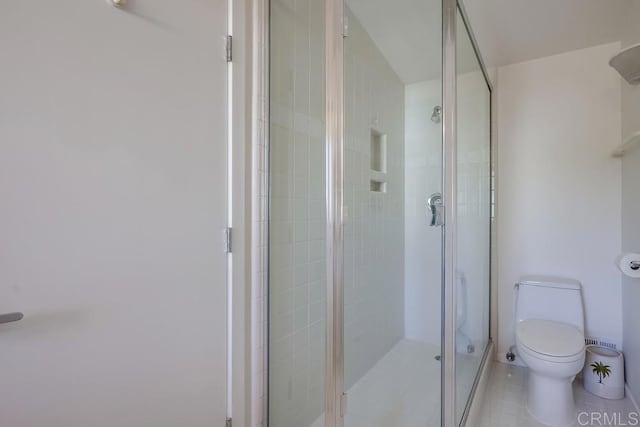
{"x": 630, "y": 143}
{"x": 627, "y": 63}
{"x": 378, "y": 153}
{"x": 377, "y": 186}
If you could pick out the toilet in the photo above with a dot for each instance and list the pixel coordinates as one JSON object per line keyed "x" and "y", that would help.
{"x": 550, "y": 341}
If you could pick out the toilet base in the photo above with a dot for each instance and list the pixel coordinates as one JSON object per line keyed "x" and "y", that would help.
{"x": 550, "y": 400}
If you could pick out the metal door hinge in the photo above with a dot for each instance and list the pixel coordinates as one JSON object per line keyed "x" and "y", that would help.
{"x": 345, "y": 26}
{"x": 229, "y": 48}
{"x": 229, "y": 423}
{"x": 343, "y": 405}
{"x": 227, "y": 237}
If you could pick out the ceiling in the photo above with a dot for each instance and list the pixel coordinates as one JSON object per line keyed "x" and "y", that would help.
{"x": 510, "y": 31}
{"x": 408, "y": 32}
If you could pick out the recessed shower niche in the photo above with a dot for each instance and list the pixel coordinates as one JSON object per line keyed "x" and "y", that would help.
{"x": 378, "y": 151}
{"x": 377, "y": 186}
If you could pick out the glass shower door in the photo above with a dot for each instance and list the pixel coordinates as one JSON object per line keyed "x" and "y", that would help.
{"x": 392, "y": 239}
{"x": 372, "y": 327}
{"x": 473, "y": 216}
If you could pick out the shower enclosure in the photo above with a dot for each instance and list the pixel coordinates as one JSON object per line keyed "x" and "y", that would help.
{"x": 379, "y": 212}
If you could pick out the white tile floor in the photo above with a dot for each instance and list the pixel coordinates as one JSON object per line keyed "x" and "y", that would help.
{"x": 506, "y": 400}
{"x": 403, "y": 388}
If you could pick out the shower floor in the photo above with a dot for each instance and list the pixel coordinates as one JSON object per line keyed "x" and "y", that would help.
{"x": 403, "y": 388}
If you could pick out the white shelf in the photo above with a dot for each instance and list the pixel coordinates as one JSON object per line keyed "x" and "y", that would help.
{"x": 632, "y": 141}
{"x": 627, "y": 63}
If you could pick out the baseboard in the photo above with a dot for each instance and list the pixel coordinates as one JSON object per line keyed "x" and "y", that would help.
{"x": 627, "y": 390}
{"x": 473, "y": 415}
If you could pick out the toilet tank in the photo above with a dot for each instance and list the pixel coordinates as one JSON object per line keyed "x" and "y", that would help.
{"x": 550, "y": 298}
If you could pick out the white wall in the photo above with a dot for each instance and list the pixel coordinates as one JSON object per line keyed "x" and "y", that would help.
{"x": 559, "y": 189}
{"x": 631, "y": 211}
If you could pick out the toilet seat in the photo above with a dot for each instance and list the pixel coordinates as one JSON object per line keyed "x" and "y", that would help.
{"x": 551, "y": 341}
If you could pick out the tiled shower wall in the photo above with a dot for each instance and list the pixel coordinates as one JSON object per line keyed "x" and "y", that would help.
{"x": 423, "y": 247}
{"x": 374, "y": 224}
{"x": 374, "y": 220}
{"x": 297, "y": 213}
{"x": 422, "y": 242}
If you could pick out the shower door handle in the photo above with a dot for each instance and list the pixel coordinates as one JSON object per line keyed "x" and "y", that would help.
{"x": 435, "y": 209}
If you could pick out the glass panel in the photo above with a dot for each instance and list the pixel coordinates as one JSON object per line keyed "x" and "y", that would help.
{"x": 297, "y": 214}
{"x": 392, "y": 256}
{"x": 472, "y": 275}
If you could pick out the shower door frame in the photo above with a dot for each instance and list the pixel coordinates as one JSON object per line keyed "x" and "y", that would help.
{"x": 335, "y": 397}
{"x": 449, "y": 228}
{"x": 488, "y": 349}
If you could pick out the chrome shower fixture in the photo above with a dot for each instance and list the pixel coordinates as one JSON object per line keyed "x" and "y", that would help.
{"x": 437, "y": 113}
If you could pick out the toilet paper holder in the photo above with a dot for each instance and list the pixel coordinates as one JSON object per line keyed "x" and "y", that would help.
{"x": 629, "y": 264}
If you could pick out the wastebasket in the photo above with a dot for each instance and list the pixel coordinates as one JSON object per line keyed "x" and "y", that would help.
{"x": 603, "y": 373}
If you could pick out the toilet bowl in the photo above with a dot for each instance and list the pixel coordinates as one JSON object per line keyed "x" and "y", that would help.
{"x": 550, "y": 341}
{"x": 554, "y": 353}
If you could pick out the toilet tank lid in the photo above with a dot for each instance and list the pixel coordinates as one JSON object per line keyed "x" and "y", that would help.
{"x": 551, "y": 282}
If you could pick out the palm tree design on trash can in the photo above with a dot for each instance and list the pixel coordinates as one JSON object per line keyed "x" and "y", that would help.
{"x": 601, "y": 370}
